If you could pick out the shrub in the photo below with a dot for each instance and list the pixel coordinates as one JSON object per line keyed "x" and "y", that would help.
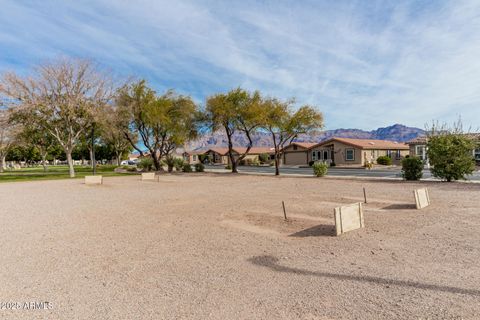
{"x": 450, "y": 154}
{"x": 412, "y": 168}
{"x": 320, "y": 169}
{"x": 169, "y": 162}
{"x": 178, "y": 164}
{"x": 311, "y": 163}
{"x": 384, "y": 160}
{"x": 263, "y": 157}
{"x": 187, "y": 167}
{"x": 199, "y": 167}
{"x": 146, "y": 164}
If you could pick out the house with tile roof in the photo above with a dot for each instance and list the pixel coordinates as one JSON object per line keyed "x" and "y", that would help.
{"x": 344, "y": 151}
{"x": 219, "y": 155}
{"x": 418, "y": 147}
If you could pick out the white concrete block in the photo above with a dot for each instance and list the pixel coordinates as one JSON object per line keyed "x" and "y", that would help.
{"x": 348, "y": 218}
{"x": 93, "y": 180}
{"x": 422, "y": 198}
{"x": 148, "y": 176}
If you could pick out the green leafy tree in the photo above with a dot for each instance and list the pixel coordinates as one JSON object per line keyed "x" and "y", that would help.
{"x": 284, "y": 124}
{"x": 236, "y": 111}
{"x": 450, "y": 155}
{"x": 450, "y": 151}
{"x": 162, "y": 123}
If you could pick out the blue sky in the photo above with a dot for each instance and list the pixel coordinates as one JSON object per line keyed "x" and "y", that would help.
{"x": 365, "y": 64}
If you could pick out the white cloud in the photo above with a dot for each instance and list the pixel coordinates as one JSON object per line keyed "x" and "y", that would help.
{"x": 365, "y": 64}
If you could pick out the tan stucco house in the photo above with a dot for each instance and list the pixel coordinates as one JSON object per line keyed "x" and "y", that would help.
{"x": 418, "y": 147}
{"x": 219, "y": 155}
{"x": 344, "y": 151}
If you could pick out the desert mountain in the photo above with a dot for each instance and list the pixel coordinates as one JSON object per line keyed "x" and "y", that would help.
{"x": 396, "y": 132}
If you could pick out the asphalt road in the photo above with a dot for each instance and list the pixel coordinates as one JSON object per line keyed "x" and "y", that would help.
{"x": 390, "y": 173}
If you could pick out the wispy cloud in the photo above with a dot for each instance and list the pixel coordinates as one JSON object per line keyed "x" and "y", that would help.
{"x": 363, "y": 63}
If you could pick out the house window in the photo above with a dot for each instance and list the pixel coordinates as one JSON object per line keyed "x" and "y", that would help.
{"x": 389, "y": 153}
{"x": 420, "y": 151}
{"x": 477, "y": 154}
{"x": 398, "y": 154}
{"x": 194, "y": 158}
{"x": 314, "y": 155}
{"x": 350, "y": 154}
{"x": 295, "y": 147}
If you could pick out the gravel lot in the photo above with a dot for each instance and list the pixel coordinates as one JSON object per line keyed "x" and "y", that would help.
{"x": 215, "y": 246}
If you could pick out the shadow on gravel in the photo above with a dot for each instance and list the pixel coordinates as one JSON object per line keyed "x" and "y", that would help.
{"x": 400, "y": 206}
{"x": 322, "y": 230}
{"x": 272, "y": 263}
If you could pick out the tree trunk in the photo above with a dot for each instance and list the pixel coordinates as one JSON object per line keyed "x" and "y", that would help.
{"x": 156, "y": 163}
{"x": 91, "y": 157}
{"x": 71, "y": 170}
{"x": 119, "y": 160}
{"x": 277, "y": 164}
{"x": 44, "y": 161}
{"x": 2, "y": 164}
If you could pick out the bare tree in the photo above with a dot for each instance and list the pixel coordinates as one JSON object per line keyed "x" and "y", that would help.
{"x": 8, "y": 134}
{"x": 62, "y": 97}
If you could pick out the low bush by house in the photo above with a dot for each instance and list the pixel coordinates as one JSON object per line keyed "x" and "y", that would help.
{"x": 187, "y": 167}
{"x": 384, "y": 160}
{"x": 412, "y": 168}
{"x": 320, "y": 169}
{"x": 199, "y": 167}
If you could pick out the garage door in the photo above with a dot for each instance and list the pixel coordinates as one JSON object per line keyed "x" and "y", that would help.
{"x": 296, "y": 158}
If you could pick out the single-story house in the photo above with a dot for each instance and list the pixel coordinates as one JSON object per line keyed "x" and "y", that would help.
{"x": 219, "y": 155}
{"x": 344, "y": 151}
{"x": 297, "y": 153}
{"x": 418, "y": 147}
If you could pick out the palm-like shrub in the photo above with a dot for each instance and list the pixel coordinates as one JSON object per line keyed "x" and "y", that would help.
{"x": 146, "y": 164}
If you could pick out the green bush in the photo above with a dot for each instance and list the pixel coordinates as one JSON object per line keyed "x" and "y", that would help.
{"x": 199, "y": 167}
{"x": 384, "y": 160}
{"x": 320, "y": 169}
{"x": 146, "y": 164}
{"x": 412, "y": 168}
{"x": 169, "y": 162}
{"x": 263, "y": 157}
{"x": 178, "y": 164}
{"x": 187, "y": 167}
{"x": 450, "y": 155}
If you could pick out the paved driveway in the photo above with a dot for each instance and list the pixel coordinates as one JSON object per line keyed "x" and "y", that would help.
{"x": 391, "y": 173}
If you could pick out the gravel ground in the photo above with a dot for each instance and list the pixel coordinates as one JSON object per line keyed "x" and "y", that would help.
{"x": 215, "y": 246}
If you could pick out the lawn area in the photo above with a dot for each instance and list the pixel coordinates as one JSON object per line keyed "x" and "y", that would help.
{"x": 54, "y": 172}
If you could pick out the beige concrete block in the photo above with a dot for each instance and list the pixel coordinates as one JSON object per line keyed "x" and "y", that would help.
{"x": 93, "y": 180}
{"x": 422, "y": 198}
{"x": 348, "y": 218}
{"x": 148, "y": 176}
